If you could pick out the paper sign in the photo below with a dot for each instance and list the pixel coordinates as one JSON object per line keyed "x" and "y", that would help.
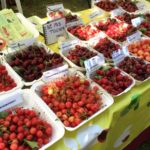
{"x": 134, "y": 37}
{"x": 22, "y": 43}
{"x": 137, "y": 21}
{"x": 94, "y": 63}
{"x": 11, "y": 101}
{"x": 53, "y": 29}
{"x": 116, "y": 12}
{"x": 95, "y": 14}
{"x": 56, "y": 7}
{"x": 119, "y": 55}
{"x": 69, "y": 45}
{"x": 74, "y": 23}
{"x": 54, "y": 73}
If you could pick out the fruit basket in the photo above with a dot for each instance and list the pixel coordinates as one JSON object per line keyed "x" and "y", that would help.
{"x": 112, "y": 79}
{"x": 106, "y": 6}
{"x": 31, "y": 62}
{"x": 76, "y": 112}
{"x": 76, "y": 54}
{"x": 83, "y": 32}
{"x": 144, "y": 28}
{"x": 140, "y": 48}
{"x": 30, "y": 104}
{"x": 136, "y": 67}
{"x": 105, "y": 46}
{"x": 9, "y": 80}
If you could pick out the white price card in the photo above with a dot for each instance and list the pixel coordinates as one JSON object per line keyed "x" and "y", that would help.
{"x": 74, "y": 23}
{"x": 137, "y": 21}
{"x": 22, "y": 43}
{"x": 119, "y": 55}
{"x": 95, "y": 14}
{"x": 56, "y": 7}
{"x": 53, "y": 30}
{"x": 10, "y": 101}
{"x": 94, "y": 63}
{"x": 116, "y": 12}
{"x": 55, "y": 73}
{"x": 67, "y": 45}
{"x": 134, "y": 37}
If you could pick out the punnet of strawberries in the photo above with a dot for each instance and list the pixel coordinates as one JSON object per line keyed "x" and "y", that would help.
{"x": 145, "y": 28}
{"x": 83, "y": 32}
{"x": 72, "y": 99}
{"x": 79, "y": 54}
{"x": 106, "y": 47}
{"x": 107, "y": 5}
{"x": 30, "y": 62}
{"x": 22, "y": 129}
{"x": 136, "y": 67}
{"x": 112, "y": 80}
{"x": 6, "y": 81}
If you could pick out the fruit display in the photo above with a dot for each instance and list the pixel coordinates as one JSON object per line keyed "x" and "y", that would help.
{"x": 141, "y": 49}
{"x": 30, "y": 62}
{"x": 83, "y": 32}
{"x": 71, "y": 17}
{"x": 79, "y": 54}
{"x": 145, "y": 28}
{"x": 105, "y": 24}
{"x": 112, "y": 80}
{"x": 6, "y": 81}
{"x": 22, "y": 129}
{"x": 72, "y": 99}
{"x": 126, "y": 17}
{"x": 120, "y": 31}
{"x": 55, "y": 14}
{"x": 12, "y": 28}
{"x": 136, "y": 67}
{"x": 128, "y": 5}
{"x": 106, "y": 47}
{"x": 147, "y": 16}
{"x": 107, "y": 5}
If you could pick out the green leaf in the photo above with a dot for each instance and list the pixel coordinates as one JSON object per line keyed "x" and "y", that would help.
{"x": 3, "y": 114}
{"x": 125, "y": 111}
{"x": 105, "y": 68}
{"x": 81, "y": 62}
{"x": 98, "y": 76}
{"x": 136, "y": 106}
{"x": 143, "y": 30}
{"x": 32, "y": 144}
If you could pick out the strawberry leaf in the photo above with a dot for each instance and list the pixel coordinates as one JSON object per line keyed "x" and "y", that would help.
{"x": 143, "y": 30}
{"x": 32, "y": 144}
{"x": 3, "y": 115}
{"x": 98, "y": 77}
{"x": 81, "y": 62}
{"x": 105, "y": 68}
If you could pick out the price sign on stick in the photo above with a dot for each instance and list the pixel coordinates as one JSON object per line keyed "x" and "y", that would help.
{"x": 53, "y": 29}
{"x": 56, "y": 7}
{"x": 134, "y": 37}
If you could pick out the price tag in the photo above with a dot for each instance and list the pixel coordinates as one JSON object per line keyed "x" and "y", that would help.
{"x": 10, "y": 101}
{"x": 67, "y": 45}
{"x": 94, "y": 63}
{"x": 56, "y": 7}
{"x": 119, "y": 55}
{"x": 137, "y": 21}
{"x": 22, "y": 43}
{"x": 74, "y": 23}
{"x": 53, "y": 29}
{"x": 141, "y": 6}
{"x": 116, "y": 12}
{"x": 134, "y": 37}
{"x": 95, "y": 14}
{"x": 55, "y": 73}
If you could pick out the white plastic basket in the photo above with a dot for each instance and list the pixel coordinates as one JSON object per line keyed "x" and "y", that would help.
{"x": 65, "y": 52}
{"x": 15, "y": 77}
{"x": 32, "y": 101}
{"x": 37, "y": 44}
{"x": 107, "y": 100}
{"x": 124, "y": 74}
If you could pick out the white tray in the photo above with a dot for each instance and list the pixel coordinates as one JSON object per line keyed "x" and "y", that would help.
{"x": 25, "y": 82}
{"x": 123, "y": 73}
{"x": 15, "y": 77}
{"x": 64, "y": 53}
{"x": 32, "y": 101}
{"x": 106, "y": 98}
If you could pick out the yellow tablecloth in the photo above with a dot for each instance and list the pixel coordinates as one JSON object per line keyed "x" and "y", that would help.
{"x": 124, "y": 120}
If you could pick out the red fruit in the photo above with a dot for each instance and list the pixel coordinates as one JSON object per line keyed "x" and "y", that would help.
{"x": 33, "y": 130}
{"x": 39, "y": 133}
{"x": 12, "y": 136}
{"x": 2, "y": 146}
{"x": 68, "y": 104}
